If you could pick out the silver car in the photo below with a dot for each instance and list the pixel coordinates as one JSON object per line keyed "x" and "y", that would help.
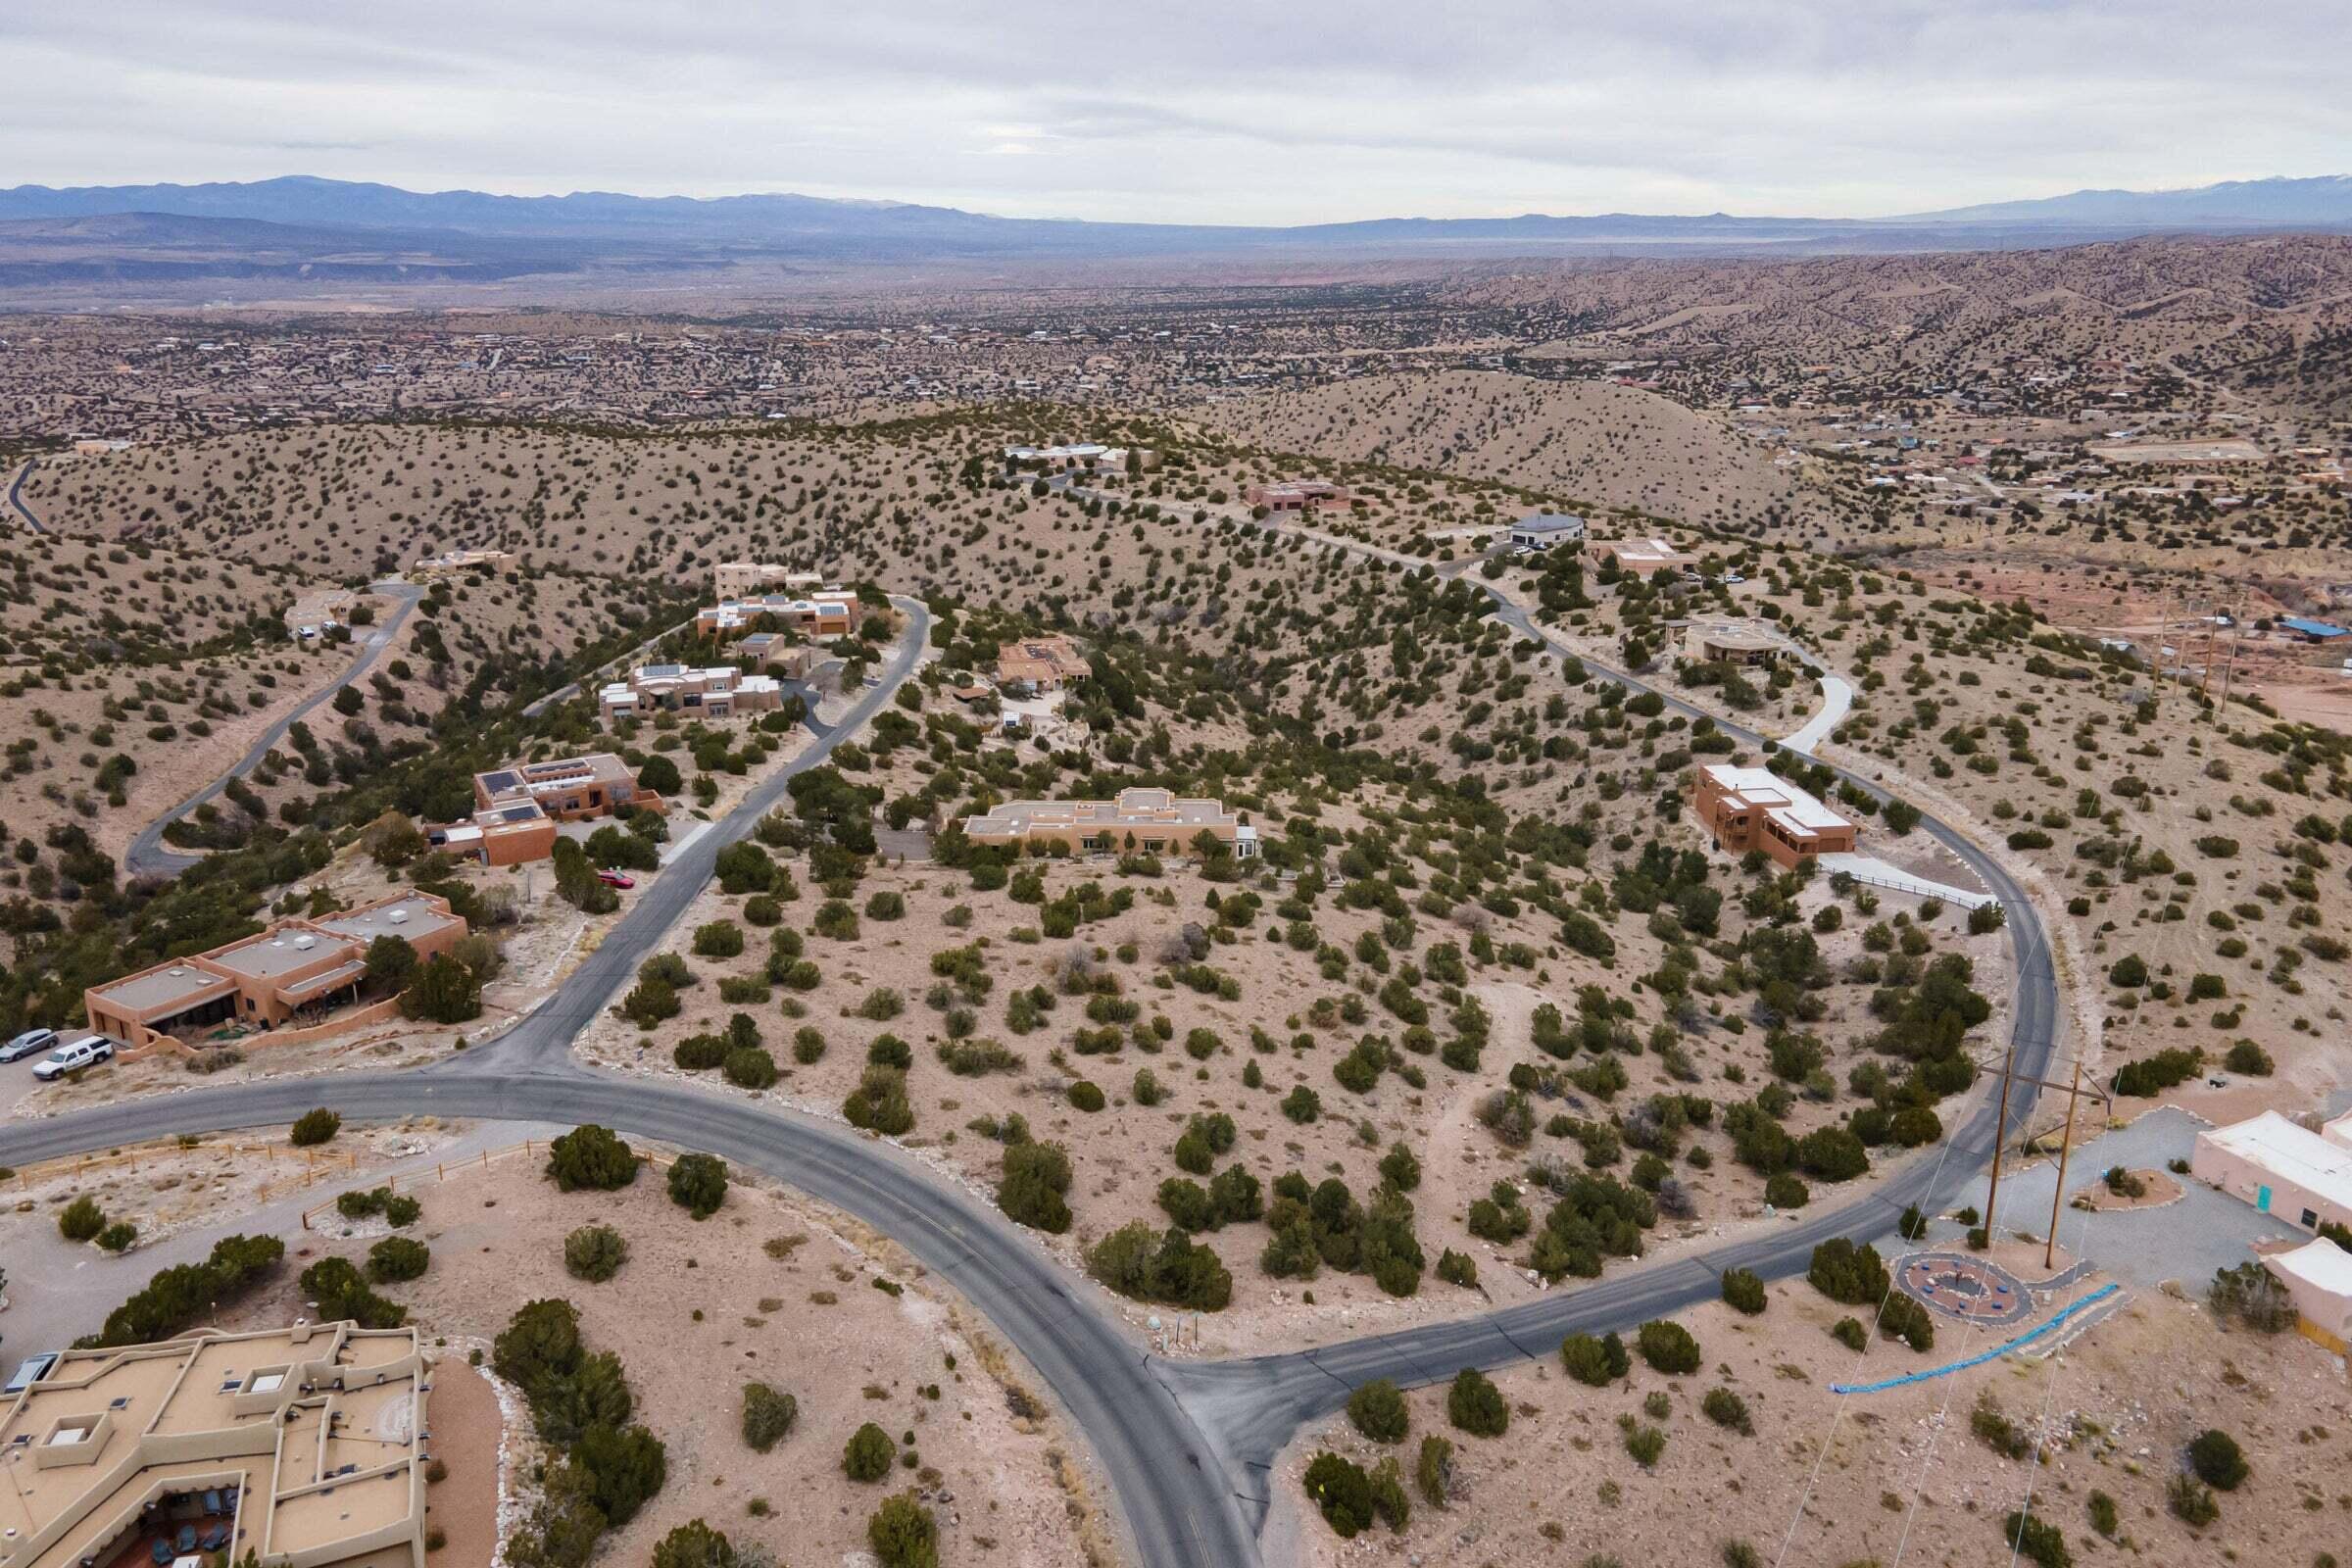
{"x": 27, "y": 1044}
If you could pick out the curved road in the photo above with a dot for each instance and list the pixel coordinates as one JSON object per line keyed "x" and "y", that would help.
{"x": 16, "y": 496}
{"x": 146, "y": 856}
{"x": 1187, "y": 1447}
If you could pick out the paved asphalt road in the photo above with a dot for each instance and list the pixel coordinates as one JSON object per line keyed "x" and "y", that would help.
{"x": 16, "y": 498}
{"x": 147, "y": 857}
{"x": 1187, "y": 1445}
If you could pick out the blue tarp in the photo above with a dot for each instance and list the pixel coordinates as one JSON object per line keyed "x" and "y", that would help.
{"x": 2003, "y": 1349}
{"x": 2313, "y": 628}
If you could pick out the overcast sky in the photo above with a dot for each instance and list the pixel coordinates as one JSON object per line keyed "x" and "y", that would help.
{"x": 1270, "y": 111}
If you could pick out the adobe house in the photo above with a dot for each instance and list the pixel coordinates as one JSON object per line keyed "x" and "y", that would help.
{"x": 719, "y": 692}
{"x": 304, "y": 1446}
{"x": 1150, "y": 821}
{"x": 298, "y": 970}
{"x": 1755, "y": 808}
{"x": 740, "y": 579}
{"x": 517, "y": 809}
{"x": 826, "y": 616}
{"x": 1044, "y": 663}
{"x": 2304, "y": 1177}
{"x": 1299, "y": 494}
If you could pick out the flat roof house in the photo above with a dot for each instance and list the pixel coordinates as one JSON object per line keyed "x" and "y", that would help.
{"x": 2274, "y": 1164}
{"x": 1755, "y": 808}
{"x": 441, "y": 566}
{"x": 2317, "y": 1276}
{"x": 1541, "y": 530}
{"x": 719, "y": 692}
{"x": 298, "y": 969}
{"x": 1152, "y": 822}
{"x": 1641, "y": 557}
{"x": 1048, "y": 663}
{"x": 827, "y": 616}
{"x": 302, "y": 1445}
{"x": 1298, "y": 494}
{"x": 1729, "y": 643}
{"x": 738, "y": 579}
{"x": 517, "y": 809}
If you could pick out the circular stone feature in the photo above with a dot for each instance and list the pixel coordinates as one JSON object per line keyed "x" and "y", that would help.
{"x": 1966, "y": 1288}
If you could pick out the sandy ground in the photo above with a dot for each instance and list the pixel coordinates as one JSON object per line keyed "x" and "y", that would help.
{"x": 467, "y": 1429}
{"x": 1875, "y": 1474}
{"x": 774, "y": 1289}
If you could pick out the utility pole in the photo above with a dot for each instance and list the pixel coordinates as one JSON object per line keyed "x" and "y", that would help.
{"x": 2066, "y": 1140}
{"x": 2000, "y": 1128}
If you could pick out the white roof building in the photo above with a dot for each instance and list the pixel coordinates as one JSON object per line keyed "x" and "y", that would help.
{"x": 2280, "y": 1168}
{"x": 2317, "y": 1276}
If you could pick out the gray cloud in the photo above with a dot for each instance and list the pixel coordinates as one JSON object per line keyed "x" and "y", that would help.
{"x": 1212, "y": 111}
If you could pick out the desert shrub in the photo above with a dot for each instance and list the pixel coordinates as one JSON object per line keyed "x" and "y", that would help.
{"x": 1850, "y": 1332}
{"x": 1726, "y": 1409}
{"x": 118, "y": 1237}
{"x": 1474, "y": 1404}
{"x": 1087, "y": 1095}
{"x": 1989, "y": 1425}
{"x": 700, "y": 1052}
{"x": 1594, "y": 1362}
{"x": 2217, "y": 1461}
{"x": 1902, "y": 1318}
{"x": 2249, "y": 1059}
{"x": 1341, "y": 1493}
{"x": 718, "y": 939}
{"x": 1036, "y": 1176}
{"x": 2190, "y": 1502}
{"x": 698, "y": 1184}
{"x": 313, "y": 1127}
{"x": 768, "y": 1415}
{"x": 396, "y": 1258}
{"x": 1302, "y": 1104}
{"x": 2104, "y": 1518}
{"x": 1457, "y": 1268}
{"x": 1668, "y": 1347}
{"x": 869, "y": 1453}
{"x": 625, "y": 1466}
{"x": 695, "y": 1544}
{"x": 1782, "y": 1189}
{"x": 592, "y": 1157}
{"x": 879, "y": 1102}
{"x": 594, "y": 1253}
{"x": 749, "y": 1067}
{"x": 1743, "y": 1290}
{"x": 186, "y": 1293}
{"x": 82, "y": 1220}
{"x": 1434, "y": 1472}
{"x": 2036, "y": 1540}
{"x": 904, "y": 1533}
{"x": 886, "y": 906}
{"x": 401, "y": 1212}
{"x": 1146, "y": 1267}
{"x": 1644, "y": 1444}
{"x": 1850, "y": 1273}
{"x": 1379, "y": 1412}
{"x": 2252, "y": 1295}
{"x": 341, "y": 1292}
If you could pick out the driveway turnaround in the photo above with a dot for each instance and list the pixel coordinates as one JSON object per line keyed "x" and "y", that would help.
{"x": 1187, "y": 1447}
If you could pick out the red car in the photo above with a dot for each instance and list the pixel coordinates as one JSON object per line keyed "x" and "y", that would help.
{"x": 616, "y": 879}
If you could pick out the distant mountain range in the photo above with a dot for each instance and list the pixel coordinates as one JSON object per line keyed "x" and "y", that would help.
{"x": 313, "y": 231}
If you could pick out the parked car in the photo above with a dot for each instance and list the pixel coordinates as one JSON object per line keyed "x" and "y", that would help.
{"x": 87, "y": 1051}
{"x": 27, "y": 1043}
{"x": 1732, "y": 579}
{"x": 617, "y": 879}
